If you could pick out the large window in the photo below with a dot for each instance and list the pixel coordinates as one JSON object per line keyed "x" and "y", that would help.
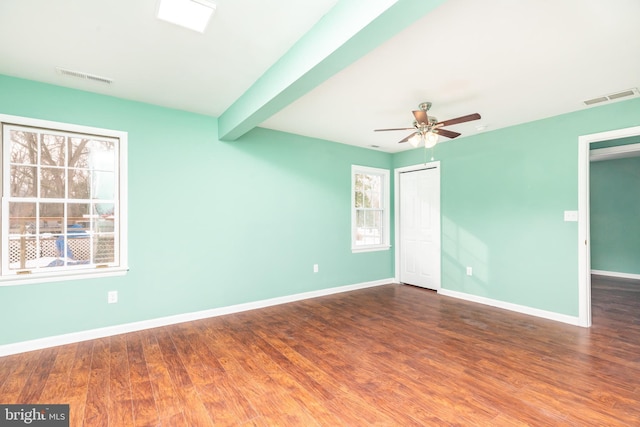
{"x": 63, "y": 201}
{"x": 369, "y": 209}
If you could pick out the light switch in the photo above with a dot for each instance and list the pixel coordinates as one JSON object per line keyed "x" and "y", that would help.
{"x": 571, "y": 216}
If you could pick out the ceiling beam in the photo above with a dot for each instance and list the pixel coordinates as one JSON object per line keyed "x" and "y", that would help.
{"x": 351, "y": 29}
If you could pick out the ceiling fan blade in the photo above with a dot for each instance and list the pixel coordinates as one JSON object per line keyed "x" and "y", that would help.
{"x": 407, "y": 138}
{"x": 421, "y": 116}
{"x": 447, "y": 133}
{"x": 468, "y": 118}
{"x": 384, "y": 130}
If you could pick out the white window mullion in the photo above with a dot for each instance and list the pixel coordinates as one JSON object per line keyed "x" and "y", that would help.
{"x": 372, "y": 233}
{"x": 4, "y": 219}
{"x": 82, "y": 242}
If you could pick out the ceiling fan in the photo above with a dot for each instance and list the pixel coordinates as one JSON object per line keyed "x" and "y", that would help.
{"x": 427, "y": 128}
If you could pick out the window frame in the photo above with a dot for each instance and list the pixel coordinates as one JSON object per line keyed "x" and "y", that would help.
{"x": 118, "y": 268}
{"x": 385, "y": 200}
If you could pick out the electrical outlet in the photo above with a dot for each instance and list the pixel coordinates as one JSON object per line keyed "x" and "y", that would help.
{"x": 112, "y": 297}
{"x": 571, "y": 216}
{"x": 469, "y": 271}
{"x": 315, "y": 268}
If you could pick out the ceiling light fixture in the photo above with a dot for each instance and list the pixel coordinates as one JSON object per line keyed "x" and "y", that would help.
{"x": 191, "y": 14}
{"x": 415, "y": 140}
{"x": 429, "y": 138}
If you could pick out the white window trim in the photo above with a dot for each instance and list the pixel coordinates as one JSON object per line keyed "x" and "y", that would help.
{"x": 385, "y": 245}
{"x": 55, "y": 276}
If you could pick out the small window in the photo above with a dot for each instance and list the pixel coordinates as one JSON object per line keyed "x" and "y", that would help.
{"x": 63, "y": 201}
{"x": 369, "y": 209}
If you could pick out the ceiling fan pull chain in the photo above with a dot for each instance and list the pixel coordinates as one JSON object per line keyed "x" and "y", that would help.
{"x": 426, "y": 150}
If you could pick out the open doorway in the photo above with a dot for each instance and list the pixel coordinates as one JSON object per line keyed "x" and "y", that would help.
{"x": 584, "y": 245}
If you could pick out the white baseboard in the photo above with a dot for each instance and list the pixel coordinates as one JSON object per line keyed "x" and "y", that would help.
{"x": 616, "y": 274}
{"x": 572, "y": 320}
{"x": 74, "y": 337}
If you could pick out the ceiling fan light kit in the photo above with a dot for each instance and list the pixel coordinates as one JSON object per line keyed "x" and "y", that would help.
{"x": 415, "y": 140}
{"x": 428, "y": 128}
{"x": 430, "y": 139}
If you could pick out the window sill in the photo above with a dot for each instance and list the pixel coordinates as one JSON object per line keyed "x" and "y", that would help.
{"x": 358, "y": 249}
{"x": 61, "y": 276}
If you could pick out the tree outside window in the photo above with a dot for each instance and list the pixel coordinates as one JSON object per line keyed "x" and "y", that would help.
{"x": 62, "y": 199}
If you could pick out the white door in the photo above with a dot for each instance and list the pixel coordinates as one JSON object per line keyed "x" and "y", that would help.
{"x": 420, "y": 228}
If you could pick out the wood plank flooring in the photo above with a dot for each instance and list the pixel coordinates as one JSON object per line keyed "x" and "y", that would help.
{"x": 390, "y": 356}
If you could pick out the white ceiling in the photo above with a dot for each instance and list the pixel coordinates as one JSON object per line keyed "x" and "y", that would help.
{"x": 511, "y": 61}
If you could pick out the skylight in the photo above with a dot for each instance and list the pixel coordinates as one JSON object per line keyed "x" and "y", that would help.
{"x": 191, "y": 14}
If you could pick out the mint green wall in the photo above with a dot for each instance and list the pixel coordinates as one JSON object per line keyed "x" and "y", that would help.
{"x": 502, "y": 200}
{"x": 259, "y": 212}
{"x": 615, "y": 214}
{"x": 615, "y": 142}
{"x": 211, "y": 223}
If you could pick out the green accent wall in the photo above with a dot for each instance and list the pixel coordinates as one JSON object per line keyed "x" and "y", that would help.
{"x": 211, "y": 224}
{"x": 503, "y": 195}
{"x": 615, "y": 142}
{"x": 615, "y": 215}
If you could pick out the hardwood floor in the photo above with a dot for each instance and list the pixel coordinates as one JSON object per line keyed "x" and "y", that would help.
{"x": 389, "y": 355}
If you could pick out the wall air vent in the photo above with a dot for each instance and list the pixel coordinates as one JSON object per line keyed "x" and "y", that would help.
{"x": 613, "y": 97}
{"x": 84, "y": 76}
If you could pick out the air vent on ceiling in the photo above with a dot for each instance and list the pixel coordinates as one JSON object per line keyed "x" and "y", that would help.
{"x": 84, "y": 76}
{"x": 613, "y": 97}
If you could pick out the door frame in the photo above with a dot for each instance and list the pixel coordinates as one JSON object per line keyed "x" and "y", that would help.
{"x": 396, "y": 211}
{"x": 584, "y": 224}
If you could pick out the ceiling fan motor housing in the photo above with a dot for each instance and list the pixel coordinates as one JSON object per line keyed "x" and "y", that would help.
{"x": 432, "y": 122}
